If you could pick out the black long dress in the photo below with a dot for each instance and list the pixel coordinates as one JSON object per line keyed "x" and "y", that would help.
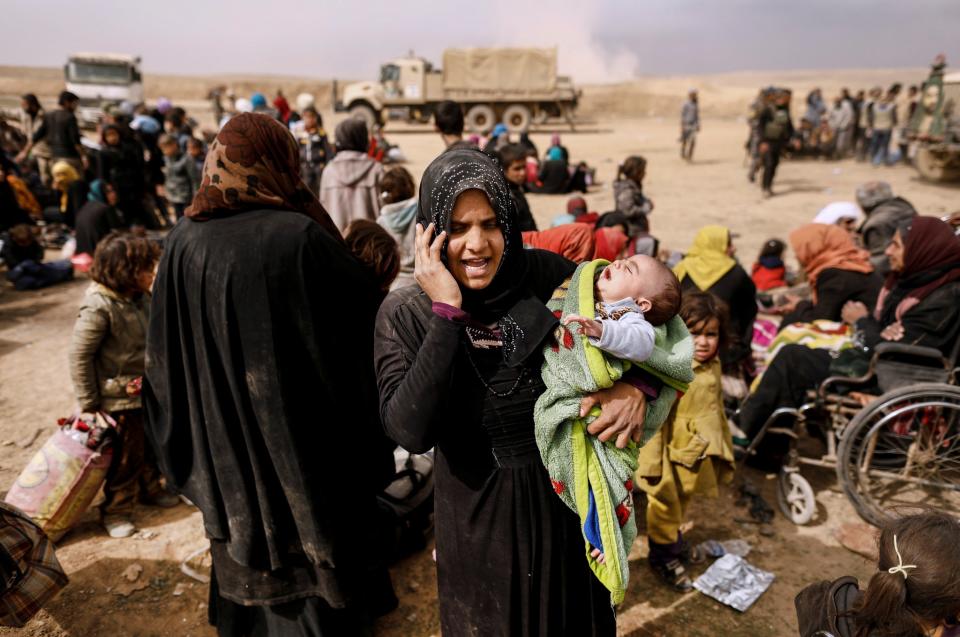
{"x": 834, "y": 288}
{"x": 261, "y": 406}
{"x": 509, "y": 553}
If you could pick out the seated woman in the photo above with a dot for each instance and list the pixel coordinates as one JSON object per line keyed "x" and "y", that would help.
{"x": 97, "y": 217}
{"x": 554, "y": 174}
{"x": 709, "y": 266}
{"x": 917, "y": 306}
{"x": 837, "y": 271}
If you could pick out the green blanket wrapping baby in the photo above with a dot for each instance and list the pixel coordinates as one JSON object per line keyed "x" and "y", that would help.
{"x": 583, "y": 470}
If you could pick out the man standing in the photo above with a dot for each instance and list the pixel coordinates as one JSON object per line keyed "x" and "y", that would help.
{"x": 689, "y": 125}
{"x": 31, "y": 119}
{"x": 775, "y": 130}
{"x": 62, "y": 134}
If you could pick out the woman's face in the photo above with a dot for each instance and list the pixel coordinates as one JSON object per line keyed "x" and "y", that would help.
{"x": 475, "y": 245}
{"x": 110, "y": 194}
{"x": 731, "y": 249}
{"x": 706, "y": 339}
{"x": 894, "y": 252}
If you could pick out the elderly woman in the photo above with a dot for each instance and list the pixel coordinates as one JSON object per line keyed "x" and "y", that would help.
{"x": 710, "y": 266}
{"x": 837, "y": 271}
{"x": 349, "y": 183}
{"x": 458, "y": 362}
{"x": 260, "y": 397}
{"x": 918, "y": 305}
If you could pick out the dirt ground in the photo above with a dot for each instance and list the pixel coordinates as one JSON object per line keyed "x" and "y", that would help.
{"x": 35, "y": 389}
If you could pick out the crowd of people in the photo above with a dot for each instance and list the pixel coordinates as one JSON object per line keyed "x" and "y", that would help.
{"x": 870, "y": 126}
{"x": 234, "y": 377}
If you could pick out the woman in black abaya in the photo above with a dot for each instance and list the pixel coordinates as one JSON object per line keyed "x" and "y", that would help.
{"x": 260, "y": 396}
{"x": 458, "y": 363}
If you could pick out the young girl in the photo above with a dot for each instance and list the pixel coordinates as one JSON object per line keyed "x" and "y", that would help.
{"x": 915, "y": 591}
{"x": 628, "y": 194}
{"x": 769, "y": 271}
{"x": 106, "y": 357}
{"x": 373, "y": 246}
{"x": 693, "y": 452}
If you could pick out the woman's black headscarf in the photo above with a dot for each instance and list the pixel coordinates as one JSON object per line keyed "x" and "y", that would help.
{"x": 524, "y": 279}
{"x": 352, "y": 134}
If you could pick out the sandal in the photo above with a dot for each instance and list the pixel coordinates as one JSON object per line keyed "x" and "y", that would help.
{"x": 674, "y": 575}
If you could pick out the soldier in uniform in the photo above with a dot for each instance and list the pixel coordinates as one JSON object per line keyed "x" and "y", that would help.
{"x": 775, "y": 129}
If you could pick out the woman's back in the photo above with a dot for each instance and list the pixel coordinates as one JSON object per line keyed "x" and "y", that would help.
{"x": 348, "y": 187}
{"x": 244, "y": 348}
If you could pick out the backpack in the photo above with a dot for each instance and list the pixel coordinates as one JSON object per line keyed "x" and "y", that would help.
{"x": 406, "y": 505}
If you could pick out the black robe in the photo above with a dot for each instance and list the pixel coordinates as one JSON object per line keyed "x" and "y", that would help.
{"x": 261, "y": 403}
{"x": 95, "y": 221}
{"x": 834, "y": 288}
{"x": 510, "y": 554}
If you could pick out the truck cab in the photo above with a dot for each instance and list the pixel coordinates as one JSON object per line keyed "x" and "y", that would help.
{"x": 405, "y": 84}
{"x": 102, "y": 78}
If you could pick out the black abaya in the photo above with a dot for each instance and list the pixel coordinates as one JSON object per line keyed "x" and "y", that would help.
{"x": 509, "y": 552}
{"x": 261, "y": 404}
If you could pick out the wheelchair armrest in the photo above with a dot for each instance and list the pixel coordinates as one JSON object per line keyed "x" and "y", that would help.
{"x": 893, "y": 350}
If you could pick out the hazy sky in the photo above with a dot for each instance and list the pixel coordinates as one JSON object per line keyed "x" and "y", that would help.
{"x": 599, "y": 40}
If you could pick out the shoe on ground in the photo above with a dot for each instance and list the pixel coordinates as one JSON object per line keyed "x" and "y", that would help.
{"x": 691, "y": 554}
{"x": 119, "y": 526}
{"x": 164, "y": 500}
{"x": 673, "y": 575}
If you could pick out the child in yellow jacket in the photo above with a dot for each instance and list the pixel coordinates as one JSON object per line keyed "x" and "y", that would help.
{"x": 693, "y": 451}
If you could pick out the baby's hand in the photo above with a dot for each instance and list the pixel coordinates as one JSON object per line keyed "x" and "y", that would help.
{"x": 598, "y": 555}
{"x": 590, "y": 327}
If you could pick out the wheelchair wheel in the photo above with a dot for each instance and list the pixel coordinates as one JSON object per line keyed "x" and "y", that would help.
{"x": 795, "y": 497}
{"x": 903, "y": 451}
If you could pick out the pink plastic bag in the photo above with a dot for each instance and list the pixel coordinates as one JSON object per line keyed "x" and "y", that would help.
{"x": 63, "y": 477}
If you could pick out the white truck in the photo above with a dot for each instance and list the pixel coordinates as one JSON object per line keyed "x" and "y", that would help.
{"x": 102, "y": 78}
{"x": 516, "y": 86}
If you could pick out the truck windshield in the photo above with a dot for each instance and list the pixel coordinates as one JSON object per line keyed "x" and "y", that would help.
{"x": 389, "y": 73}
{"x": 91, "y": 73}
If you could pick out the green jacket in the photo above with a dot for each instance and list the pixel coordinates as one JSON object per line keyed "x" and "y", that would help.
{"x": 107, "y": 349}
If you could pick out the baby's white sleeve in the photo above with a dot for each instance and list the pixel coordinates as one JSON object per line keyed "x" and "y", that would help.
{"x": 629, "y": 338}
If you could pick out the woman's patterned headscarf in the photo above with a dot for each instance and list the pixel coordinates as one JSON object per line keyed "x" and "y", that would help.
{"x": 253, "y": 164}
{"x": 511, "y": 298}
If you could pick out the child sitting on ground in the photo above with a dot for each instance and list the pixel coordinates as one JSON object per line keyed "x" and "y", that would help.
{"x": 626, "y": 312}
{"x": 769, "y": 271}
{"x": 628, "y": 195}
{"x": 915, "y": 591}
{"x": 373, "y": 246}
{"x": 693, "y": 451}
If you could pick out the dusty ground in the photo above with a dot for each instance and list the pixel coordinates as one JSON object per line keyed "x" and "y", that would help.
{"x": 35, "y": 390}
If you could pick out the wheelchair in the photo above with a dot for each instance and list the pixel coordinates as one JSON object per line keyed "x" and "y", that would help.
{"x": 900, "y": 450}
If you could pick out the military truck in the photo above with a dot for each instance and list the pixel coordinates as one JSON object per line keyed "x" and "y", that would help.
{"x": 935, "y": 125}
{"x": 102, "y": 78}
{"x": 516, "y": 86}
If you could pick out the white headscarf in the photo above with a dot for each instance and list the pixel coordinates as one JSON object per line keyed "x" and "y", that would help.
{"x": 834, "y": 212}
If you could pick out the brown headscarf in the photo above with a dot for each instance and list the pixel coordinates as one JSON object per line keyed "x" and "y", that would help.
{"x": 931, "y": 259}
{"x": 254, "y": 163}
{"x": 819, "y": 247}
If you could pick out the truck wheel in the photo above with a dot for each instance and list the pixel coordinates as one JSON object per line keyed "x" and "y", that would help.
{"x": 365, "y": 113}
{"x": 480, "y": 119}
{"x": 934, "y": 167}
{"x": 517, "y": 118}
